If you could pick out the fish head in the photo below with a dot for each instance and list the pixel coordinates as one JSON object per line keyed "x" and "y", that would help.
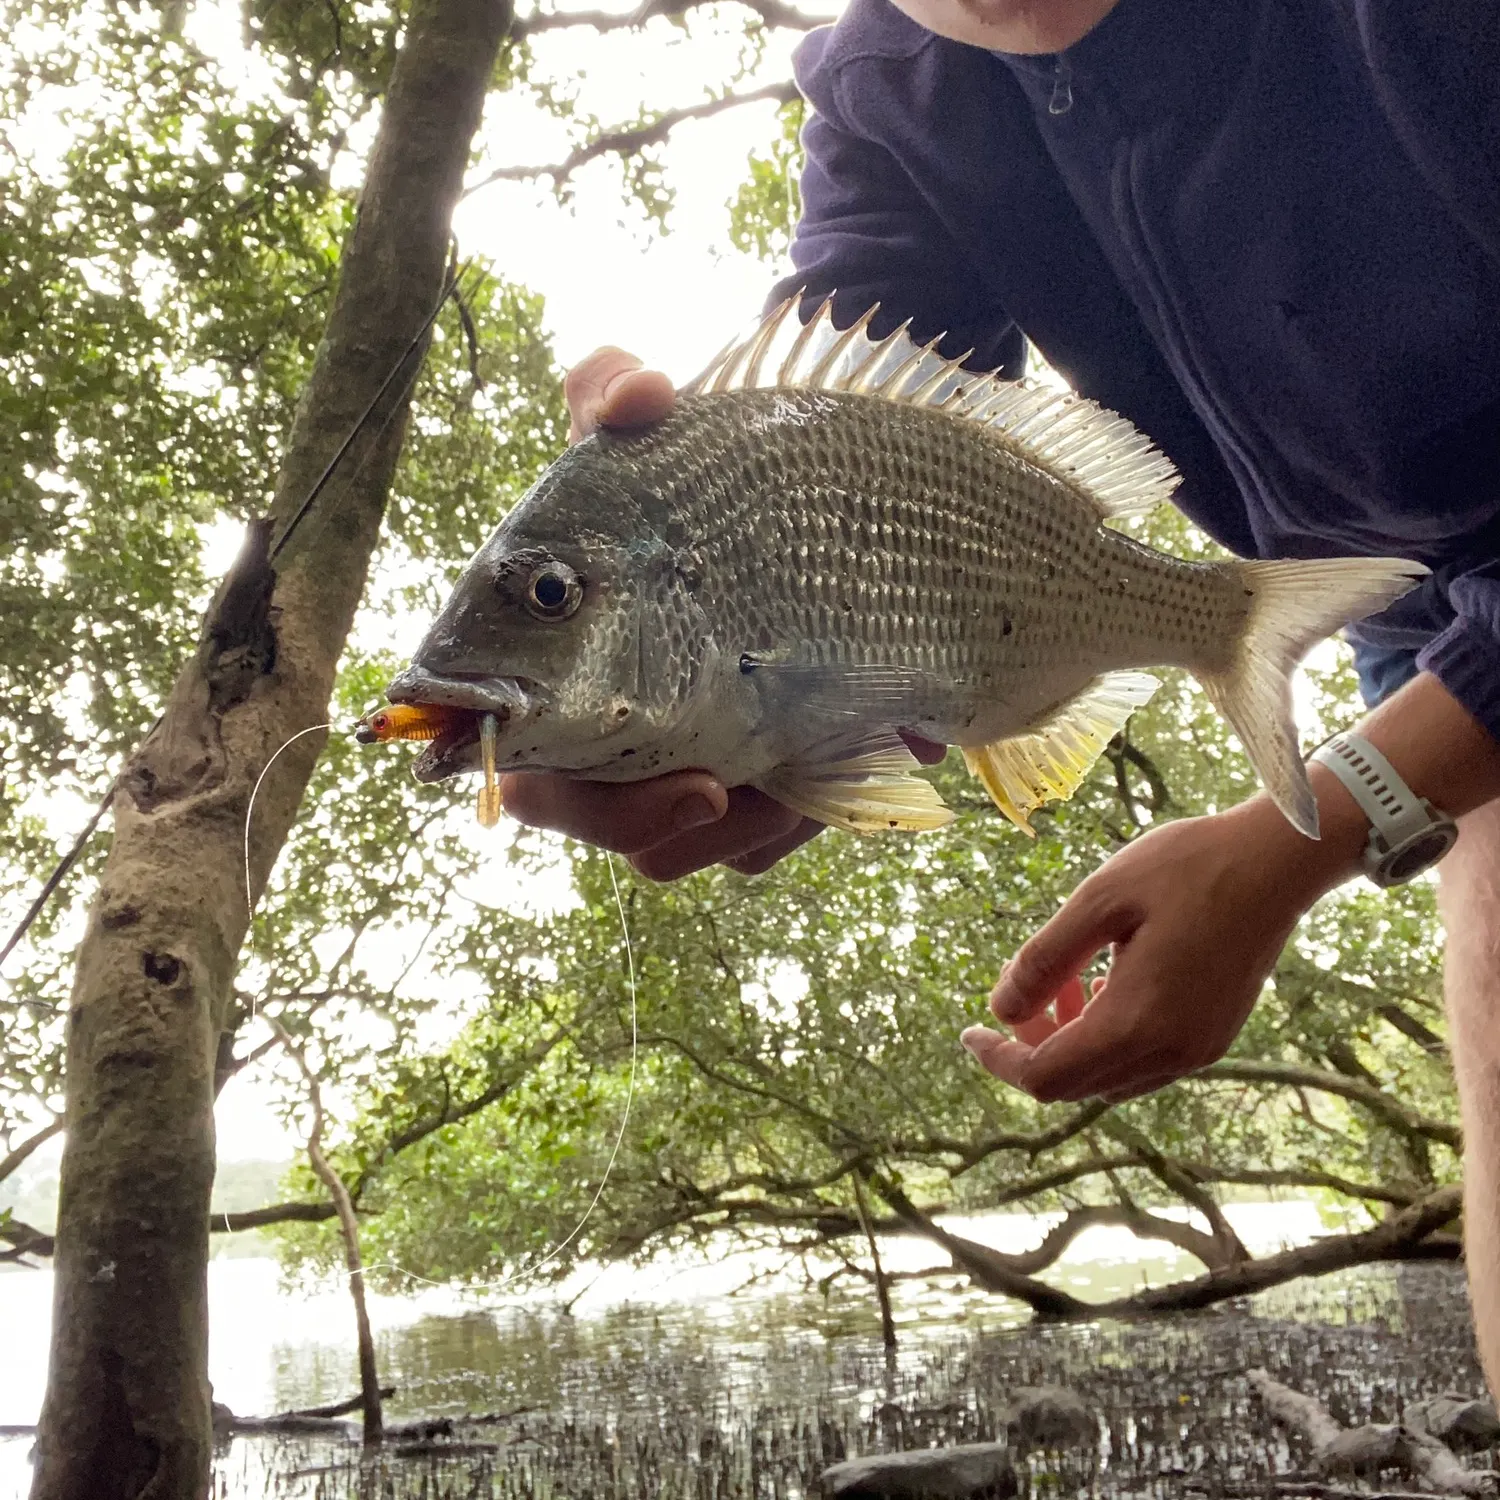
{"x": 576, "y": 624}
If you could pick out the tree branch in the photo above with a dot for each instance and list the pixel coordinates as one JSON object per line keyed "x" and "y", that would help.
{"x": 369, "y": 1381}
{"x": 771, "y": 12}
{"x": 1406, "y": 1235}
{"x": 1293, "y": 1075}
{"x": 17, "y": 1155}
{"x": 630, "y": 140}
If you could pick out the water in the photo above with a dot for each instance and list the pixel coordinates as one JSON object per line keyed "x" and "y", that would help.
{"x": 670, "y": 1344}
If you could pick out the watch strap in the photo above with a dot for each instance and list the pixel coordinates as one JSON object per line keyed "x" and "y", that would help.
{"x": 1407, "y": 834}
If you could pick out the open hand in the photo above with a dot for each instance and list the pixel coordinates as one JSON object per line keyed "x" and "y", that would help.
{"x": 674, "y": 824}
{"x": 1196, "y": 914}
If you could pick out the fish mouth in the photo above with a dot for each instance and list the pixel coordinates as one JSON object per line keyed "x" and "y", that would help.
{"x": 456, "y": 749}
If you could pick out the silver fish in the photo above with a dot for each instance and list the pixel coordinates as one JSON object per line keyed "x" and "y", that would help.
{"x": 823, "y": 547}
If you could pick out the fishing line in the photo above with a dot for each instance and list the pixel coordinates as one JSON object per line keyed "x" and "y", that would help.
{"x": 526, "y": 1271}
{"x": 452, "y": 287}
{"x": 250, "y": 806}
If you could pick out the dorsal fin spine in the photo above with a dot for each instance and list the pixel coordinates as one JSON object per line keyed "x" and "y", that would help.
{"x": 877, "y": 353}
{"x": 763, "y": 340}
{"x": 818, "y": 375}
{"x": 1095, "y": 453}
{"x": 789, "y": 364}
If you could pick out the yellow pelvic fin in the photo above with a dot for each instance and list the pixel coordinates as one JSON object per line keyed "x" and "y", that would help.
{"x": 1049, "y": 761}
{"x": 870, "y": 793}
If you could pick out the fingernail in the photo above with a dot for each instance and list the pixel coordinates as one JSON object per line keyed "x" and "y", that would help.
{"x": 693, "y": 811}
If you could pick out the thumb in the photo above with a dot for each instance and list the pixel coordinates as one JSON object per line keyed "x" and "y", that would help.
{"x": 1093, "y": 917}
{"x": 610, "y": 389}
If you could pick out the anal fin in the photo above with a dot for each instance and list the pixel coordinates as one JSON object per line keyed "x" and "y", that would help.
{"x": 863, "y": 790}
{"x": 1049, "y": 761}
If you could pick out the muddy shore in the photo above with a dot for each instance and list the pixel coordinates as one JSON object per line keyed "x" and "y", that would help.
{"x": 661, "y": 1418}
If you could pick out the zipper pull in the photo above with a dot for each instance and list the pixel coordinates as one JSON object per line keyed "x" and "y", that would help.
{"x": 1062, "y": 87}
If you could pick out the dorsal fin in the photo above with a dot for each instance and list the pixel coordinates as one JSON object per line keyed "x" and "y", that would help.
{"x": 1096, "y": 453}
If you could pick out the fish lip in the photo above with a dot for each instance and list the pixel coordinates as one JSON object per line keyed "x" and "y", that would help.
{"x": 506, "y": 696}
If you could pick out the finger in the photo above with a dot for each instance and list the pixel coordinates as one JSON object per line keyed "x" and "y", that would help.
{"x": 758, "y": 861}
{"x": 1070, "y": 999}
{"x": 1067, "y": 1006}
{"x": 610, "y": 389}
{"x": 625, "y": 818}
{"x": 751, "y": 821}
{"x": 1098, "y": 1053}
{"x": 995, "y": 1053}
{"x": 928, "y": 752}
{"x": 1094, "y": 916}
{"x": 1035, "y": 1029}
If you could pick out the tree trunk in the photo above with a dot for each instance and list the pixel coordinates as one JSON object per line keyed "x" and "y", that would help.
{"x": 127, "y": 1406}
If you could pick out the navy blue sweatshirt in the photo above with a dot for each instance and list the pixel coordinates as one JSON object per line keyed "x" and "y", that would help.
{"x": 1267, "y": 231}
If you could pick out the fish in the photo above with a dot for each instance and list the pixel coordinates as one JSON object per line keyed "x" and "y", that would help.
{"x": 835, "y": 542}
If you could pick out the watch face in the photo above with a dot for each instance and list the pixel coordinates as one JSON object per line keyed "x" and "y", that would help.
{"x": 1421, "y": 851}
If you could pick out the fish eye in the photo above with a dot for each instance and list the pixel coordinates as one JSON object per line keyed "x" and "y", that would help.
{"x": 554, "y": 592}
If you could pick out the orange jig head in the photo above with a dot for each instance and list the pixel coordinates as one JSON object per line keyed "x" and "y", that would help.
{"x": 408, "y": 721}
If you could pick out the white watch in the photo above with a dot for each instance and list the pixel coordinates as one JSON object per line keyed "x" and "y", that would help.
{"x": 1407, "y": 834}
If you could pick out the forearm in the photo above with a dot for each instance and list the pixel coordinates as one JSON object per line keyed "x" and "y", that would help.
{"x": 1440, "y": 750}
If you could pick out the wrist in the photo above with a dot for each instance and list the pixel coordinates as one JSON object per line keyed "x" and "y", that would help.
{"x": 1305, "y": 868}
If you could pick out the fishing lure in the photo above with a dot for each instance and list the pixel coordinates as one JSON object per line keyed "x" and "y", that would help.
{"x": 428, "y": 721}
{"x": 409, "y": 721}
{"x": 489, "y": 793}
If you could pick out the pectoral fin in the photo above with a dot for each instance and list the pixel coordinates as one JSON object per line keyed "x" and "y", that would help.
{"x": 1049, "y": 762}
{"x": 864, "y": 790}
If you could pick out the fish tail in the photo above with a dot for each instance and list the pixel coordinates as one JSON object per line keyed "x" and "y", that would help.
{"x": 1293, "y": 605}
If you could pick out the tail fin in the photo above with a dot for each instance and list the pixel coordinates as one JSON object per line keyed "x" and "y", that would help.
{"x": 1294, "y": 605}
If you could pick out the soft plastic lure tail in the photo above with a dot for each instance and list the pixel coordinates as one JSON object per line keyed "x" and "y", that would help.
{"x": 489, "y": 793}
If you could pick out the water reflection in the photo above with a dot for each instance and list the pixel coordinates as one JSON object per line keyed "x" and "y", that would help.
{"x": 668, "y": 1344}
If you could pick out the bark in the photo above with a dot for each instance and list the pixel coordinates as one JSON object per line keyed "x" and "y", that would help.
{"x": 127, "y": 1407}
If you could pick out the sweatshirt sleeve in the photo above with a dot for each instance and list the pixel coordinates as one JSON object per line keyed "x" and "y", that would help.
{"x": 1465, "y": 658}
{"x": 867, "y": 234}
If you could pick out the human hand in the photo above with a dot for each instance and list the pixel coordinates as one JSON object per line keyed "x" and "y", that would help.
{"x": 1196, "y": 914}
{"x": 674, "y": 824}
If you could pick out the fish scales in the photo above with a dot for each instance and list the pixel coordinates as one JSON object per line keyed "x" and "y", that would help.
{"x": 918, "y": 538}
{"x": 819, "y": 551}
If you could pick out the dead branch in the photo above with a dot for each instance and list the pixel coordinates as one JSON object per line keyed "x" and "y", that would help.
{"x": 1224, "y": 1246}
{"x": 989, "y": 1268}
{"x": 369, "y": 1382}
{"x": 630, "y": 140}
{"x": 1407, "y": 1235}
{"x": 1371, "y": 1447}
{"x": 1409, "y": 1026}
{"x": 882, "y": 1281}
{"x": 18, "y": 1154}
{"x": 24, "y": 1240}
